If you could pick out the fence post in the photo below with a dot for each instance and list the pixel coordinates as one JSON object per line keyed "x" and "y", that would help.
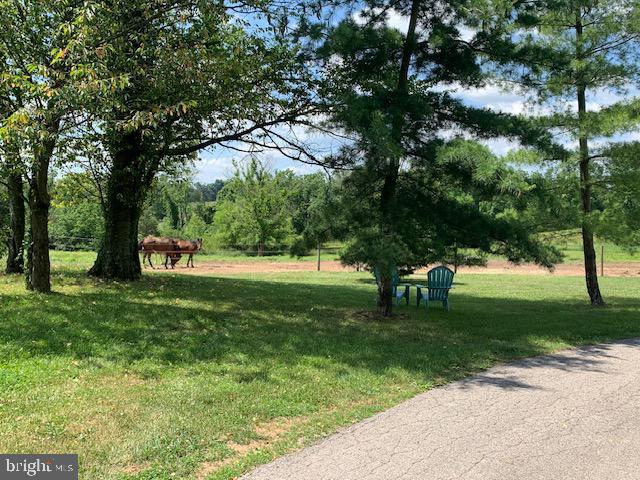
{"x": 602, "y": 260}
{"x": 318, "y": 255}
{"x": 455, "y": 257}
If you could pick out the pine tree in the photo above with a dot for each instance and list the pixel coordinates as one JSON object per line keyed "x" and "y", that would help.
{"x": 392, "y": 92}
{"x": 567, "y": 52}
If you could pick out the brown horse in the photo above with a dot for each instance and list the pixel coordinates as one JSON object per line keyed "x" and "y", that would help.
{"x": 164, "y": 246}
{"x": 191, "y": 247}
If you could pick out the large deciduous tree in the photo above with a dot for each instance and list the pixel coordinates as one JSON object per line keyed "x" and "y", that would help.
{"x": 196, "y": 77}
{"x": 35, "y": 86}
{"x": 567, "y": 52}
{"x": 12, "y": 179}
{"x": 392, "y": 92}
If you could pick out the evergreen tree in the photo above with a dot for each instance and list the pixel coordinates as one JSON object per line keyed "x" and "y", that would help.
{"x": 619, "y": 189}
{"x": 317, "y": 215}
{"x": 391, "y": 91}
{"x": 566, "y": 52}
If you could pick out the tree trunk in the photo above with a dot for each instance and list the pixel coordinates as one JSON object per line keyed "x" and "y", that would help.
{"x": 318, "y": 252}
{"x": 261, "y": 249}
{"x": 15, "y": 242}
{"x": 590, "y": 261}
{"x": 385, "y": 295}
{"x": 39, "y": 266}
{"x": 455, "y": 257}
{"x": 388, "y": 194}
{"x": 118, "y": 257}
{"x": 124, "y": 194}
{"x": 590, "y": 267}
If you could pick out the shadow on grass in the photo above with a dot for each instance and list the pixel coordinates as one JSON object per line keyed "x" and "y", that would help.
{"x": 187, "y": 320}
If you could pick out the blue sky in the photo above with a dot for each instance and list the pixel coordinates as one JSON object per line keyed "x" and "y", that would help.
{"x": 218, "y": 163}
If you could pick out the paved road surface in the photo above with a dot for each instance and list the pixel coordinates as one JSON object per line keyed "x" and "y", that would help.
{"x": 573, "y": 415}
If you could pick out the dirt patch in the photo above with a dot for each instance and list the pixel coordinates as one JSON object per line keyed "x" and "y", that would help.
{"x": 248, "y": 266}
{"x": 135, "y": 468}
{"x": 269, "y": 432}
{"x": 628, "y": 269}
{"x": 208, "y": 468}
{"x": 277, "y": 427}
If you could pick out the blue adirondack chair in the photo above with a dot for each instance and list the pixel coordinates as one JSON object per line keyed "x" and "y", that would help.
{"x": 400, "y": 290}
{"x": 439, "y": 282}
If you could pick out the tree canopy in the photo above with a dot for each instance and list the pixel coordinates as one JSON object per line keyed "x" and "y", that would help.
{"x": 252, "y": 209}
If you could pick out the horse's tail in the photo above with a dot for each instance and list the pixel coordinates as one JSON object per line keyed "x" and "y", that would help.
{"x": 140, "y": 244}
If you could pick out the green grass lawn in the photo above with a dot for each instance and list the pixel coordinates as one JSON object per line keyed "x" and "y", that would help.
{"x": 572, "y": 250}
{"x": 570, "y": 243}
{"x": 181, "y": 376}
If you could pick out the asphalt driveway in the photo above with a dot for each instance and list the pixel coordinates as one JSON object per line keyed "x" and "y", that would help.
{"x": 572, "y": 415}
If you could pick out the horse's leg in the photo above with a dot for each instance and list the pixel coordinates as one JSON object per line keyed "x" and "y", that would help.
{"x": 149, "y": 258}
{"x": 166, "y": 259}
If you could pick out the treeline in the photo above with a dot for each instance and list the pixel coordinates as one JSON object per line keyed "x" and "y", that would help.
{"x": 256, "y": 212}
{"x": 175, "y": 206}
{"x": 259, "y": 211}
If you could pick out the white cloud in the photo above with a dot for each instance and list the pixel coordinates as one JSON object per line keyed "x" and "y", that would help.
{"x": 400, "y": 22}
{"x": 501, "y": 146}
{"x": 491, "y": 96}
{"x": 218, "y": 164}
{"x": 212, "y": 165}
{"x": 302, "y": 168}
